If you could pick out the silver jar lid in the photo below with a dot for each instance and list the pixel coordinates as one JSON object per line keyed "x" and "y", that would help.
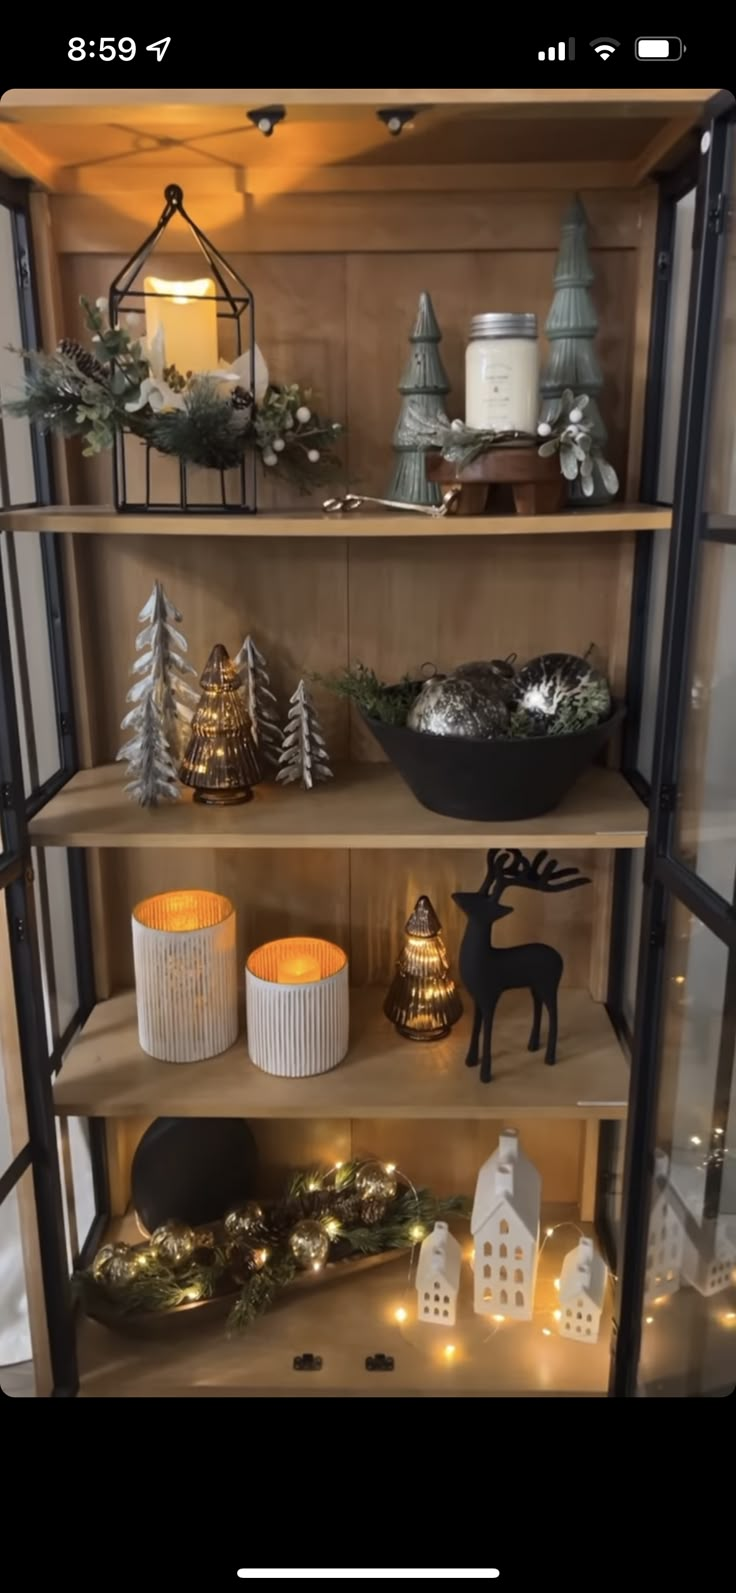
{"x": 503, "y": 323}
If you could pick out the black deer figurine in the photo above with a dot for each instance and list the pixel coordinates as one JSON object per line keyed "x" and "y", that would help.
{"x": 487, "y": 970}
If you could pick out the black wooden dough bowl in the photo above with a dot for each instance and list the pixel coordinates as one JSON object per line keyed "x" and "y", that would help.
{"x": 465, "y": 778}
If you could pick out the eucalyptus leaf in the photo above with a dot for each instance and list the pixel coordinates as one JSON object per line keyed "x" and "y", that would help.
{"x": 568, "y": 464}
{"x": 608, "y": 476}
{"x": 548, "y": 448}
{"x": 587, "y": 485}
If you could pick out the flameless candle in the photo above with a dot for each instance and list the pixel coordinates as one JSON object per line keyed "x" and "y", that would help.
{"x": 297, "y": 1005}
{"x": 186, "y": 313}
{"x": 186, "y": 975}
{"x": 298, "y": 971}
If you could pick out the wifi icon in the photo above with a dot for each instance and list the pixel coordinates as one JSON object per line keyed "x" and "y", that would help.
{"x": 605, "y": 48}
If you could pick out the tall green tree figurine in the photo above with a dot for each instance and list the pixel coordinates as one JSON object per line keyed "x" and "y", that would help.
{"x": 571, "y": 329}
{"x": 423, "y": 387}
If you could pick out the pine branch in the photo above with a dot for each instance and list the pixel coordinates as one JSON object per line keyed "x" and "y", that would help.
{"x": 361, "y": 685}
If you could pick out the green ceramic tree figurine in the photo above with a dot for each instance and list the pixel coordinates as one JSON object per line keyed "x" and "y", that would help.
{"x": 423, "y": 387}
{"x": 571, "y": 328}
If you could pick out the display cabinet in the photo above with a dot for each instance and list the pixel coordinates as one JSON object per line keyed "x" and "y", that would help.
{"x": 338, "y": 226}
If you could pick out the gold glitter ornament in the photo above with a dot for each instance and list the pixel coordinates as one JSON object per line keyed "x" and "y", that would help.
{"x": 309, "y": 1244}
{"x": 376, "y": 1181}
{"x": 145, "y": 1258}
{"x": 173, "y": 1243}
{"x": 102, "y": 1260}
{"x": 245, "y": 1221}
{"x": 122, "y": 1267}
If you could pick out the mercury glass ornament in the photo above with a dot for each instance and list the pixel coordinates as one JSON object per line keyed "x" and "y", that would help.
{"x": 309, "y": 1244}
{"x": 174, "y": 1243}
{"x": 102, "y": 1264}
{"x": 376, "y": 1181}
{"x": 245, "y": 1222}
{"x": 145, "y": 1258}
{"x": 559, "y": 693}
{"x": 458, "y": 707}
{"x": 499, "y": 673}
{"x": 122, "y": 1267}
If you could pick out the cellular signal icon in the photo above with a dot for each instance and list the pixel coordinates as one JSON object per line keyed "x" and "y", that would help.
{"x": 605, "y": 48}
{"x": 558, "y": 52}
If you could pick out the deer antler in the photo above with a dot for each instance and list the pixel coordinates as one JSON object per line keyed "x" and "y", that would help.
{"x": 504, "y": 868}
{"x": 542, "y": 874}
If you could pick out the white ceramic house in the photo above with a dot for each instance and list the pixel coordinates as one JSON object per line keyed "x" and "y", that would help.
{"x": 665, "y": 1240}
{"x": 709, "y": 1256}
{"x": 709, "y": 1243}
{"x": 582, "y": 1292}
{"x": 438, "y": 1277}
{"x": 505, "y": 1227}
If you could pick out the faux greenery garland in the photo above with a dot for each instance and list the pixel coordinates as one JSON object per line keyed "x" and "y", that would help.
{"x": 206, "y": 419}
{"x": 565, "y": 432}
{"x": 260, "y": 1264}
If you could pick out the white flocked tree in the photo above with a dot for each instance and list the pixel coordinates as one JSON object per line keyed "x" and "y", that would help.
{"x": 162, "y": 703}
{"x": 304, "y": 756}
{"x": 261, "y": 703}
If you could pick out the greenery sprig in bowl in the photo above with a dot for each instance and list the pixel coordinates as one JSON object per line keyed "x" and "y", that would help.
{"x": 206, "y": 419}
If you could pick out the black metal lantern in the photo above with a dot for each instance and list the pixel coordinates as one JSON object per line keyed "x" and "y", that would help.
{"x": 191, "y": 317}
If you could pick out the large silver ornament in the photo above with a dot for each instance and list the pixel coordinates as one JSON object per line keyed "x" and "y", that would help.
{"x": 494, "y": 673}
{"x": 558, "y": 694}
{"x": 457, "y": 707}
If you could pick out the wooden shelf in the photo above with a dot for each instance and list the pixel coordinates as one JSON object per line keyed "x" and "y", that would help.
{"x": 345, "y": 1321}
{"x": 107, "y": 1075}
{"x": 367, "y": 807}
{"x": 104, "y": 520}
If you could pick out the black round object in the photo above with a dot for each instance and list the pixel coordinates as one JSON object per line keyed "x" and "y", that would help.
{"x": 506, "y": 778}
{"x": 193, "y": 1169}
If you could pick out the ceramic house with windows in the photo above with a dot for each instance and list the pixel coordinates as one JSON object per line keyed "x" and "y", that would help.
{"x": 582, "y": 1292}
{"x": 708, "y": 1243}
{"x": 665, "y": 1240}
{"x": 505, "y": 1227}
{"x": 438, "y": 1277}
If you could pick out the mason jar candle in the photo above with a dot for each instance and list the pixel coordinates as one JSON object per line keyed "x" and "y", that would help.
{"x": 502, "y": 373}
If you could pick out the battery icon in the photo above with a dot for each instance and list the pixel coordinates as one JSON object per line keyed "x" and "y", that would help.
{"x": 668, "y": 49}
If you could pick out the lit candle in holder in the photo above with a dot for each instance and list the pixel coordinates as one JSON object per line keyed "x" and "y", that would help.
{"x": 297, "y": 1004}
{"x": 186, "y": 975}
{"x": 186, "y": 314}
{"x": 298, "y": 971}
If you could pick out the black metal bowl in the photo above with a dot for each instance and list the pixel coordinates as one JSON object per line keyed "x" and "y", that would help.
{"x": 465, "y": 778}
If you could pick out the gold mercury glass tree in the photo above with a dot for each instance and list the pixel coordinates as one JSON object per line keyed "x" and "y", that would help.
{"x": 423, "y": 1001}
{"x": 220, "y": 761}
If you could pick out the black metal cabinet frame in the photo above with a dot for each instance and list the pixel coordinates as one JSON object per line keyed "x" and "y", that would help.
{"x": 667, "y": 879}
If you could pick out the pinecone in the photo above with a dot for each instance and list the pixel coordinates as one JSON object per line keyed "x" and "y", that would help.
{"x": 84, "y": 361}
{"x": 347, "y": 1208}
{"x": 372, "y": 1212}
{"x": 240, "y": 398}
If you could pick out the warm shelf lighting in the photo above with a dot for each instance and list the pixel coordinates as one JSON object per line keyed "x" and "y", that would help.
{"x": 400, "y": 1315}
{"x": 184, "y": 314}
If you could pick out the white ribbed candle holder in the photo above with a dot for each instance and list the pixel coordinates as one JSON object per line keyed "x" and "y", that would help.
{"x": 298, "y": 1007}
{"x": 186, "y": 975}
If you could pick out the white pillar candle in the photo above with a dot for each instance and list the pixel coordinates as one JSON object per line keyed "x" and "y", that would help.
{"x": 186, "y": 975}
{"x": 186, "y": 313}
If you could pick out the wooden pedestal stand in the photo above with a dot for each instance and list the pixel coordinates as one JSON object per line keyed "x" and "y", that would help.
{"x": 534, "y": 485}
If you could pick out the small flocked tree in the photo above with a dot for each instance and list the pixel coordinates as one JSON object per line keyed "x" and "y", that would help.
{"x": 162, "y": 700}
{"x": 261, "y": 702}
{"x": 571, "y": 330}
{"x": 423, "y": 387}
{"x": 304, "y": 756}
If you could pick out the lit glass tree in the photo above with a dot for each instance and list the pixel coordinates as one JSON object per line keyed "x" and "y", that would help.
{"x": 423, "y": 1002}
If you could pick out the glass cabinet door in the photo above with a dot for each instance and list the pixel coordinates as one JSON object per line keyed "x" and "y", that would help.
{"x": 676, "y": 1307}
